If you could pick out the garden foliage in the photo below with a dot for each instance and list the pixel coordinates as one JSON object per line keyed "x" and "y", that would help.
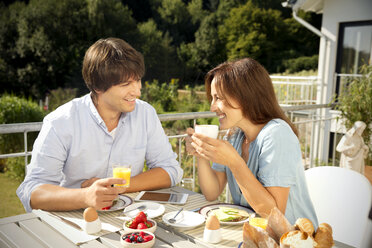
{"x": 43, "y": 42}
{"x": 17, "y": 110}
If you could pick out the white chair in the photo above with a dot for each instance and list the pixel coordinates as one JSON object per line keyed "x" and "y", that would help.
{"x": 342, "y": 198}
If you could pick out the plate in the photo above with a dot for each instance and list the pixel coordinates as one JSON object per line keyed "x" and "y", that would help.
{"x": 185, "y": 219}
{"x": 120, "y": 203}
{"x": 207, "y": 210}
{"x": 152, "y": 209}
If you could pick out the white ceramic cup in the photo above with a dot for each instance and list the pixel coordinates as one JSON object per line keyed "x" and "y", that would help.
{"x": 208, "y": 130}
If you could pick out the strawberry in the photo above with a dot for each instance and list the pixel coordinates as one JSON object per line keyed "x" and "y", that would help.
{"x": 148, "y": 224}
{"x": 133, "y": 224}
{"x": 147, "y": 238}
{"x": 141, "y": 226}
{"x": 106, "y": 208}
{"x": 141, "y": 217}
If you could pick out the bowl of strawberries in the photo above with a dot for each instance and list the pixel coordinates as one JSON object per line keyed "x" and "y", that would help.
{"x": 140, "y": 223}
{"x": 138, "y": 239}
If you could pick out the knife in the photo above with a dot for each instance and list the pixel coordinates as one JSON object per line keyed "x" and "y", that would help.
{"x": 73, "y": 224}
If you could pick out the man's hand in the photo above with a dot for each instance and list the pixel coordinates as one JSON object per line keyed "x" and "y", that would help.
{"x": 101, "y": 194}
{"x": 89, "y": 182}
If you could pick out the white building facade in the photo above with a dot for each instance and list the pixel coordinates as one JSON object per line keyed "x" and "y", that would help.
{"x": 345, "y": 45}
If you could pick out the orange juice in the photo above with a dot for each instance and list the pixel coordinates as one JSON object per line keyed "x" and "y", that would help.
{"x": 258, "y": 222}
{"x": 123, "y": 173}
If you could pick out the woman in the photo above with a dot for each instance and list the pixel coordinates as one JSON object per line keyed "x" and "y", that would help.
{"x": 261, "y": 161}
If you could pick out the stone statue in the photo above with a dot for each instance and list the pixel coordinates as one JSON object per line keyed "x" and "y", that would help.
{"x": 353, "y": 149}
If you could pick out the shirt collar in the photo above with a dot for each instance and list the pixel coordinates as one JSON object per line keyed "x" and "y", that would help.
{"x": 93, "y": 109}
{"x": 97, "y": 116}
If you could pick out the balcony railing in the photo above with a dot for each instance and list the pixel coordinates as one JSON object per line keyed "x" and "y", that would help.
{"x": 295, "y": 90}
{"x": 297, "y": 96}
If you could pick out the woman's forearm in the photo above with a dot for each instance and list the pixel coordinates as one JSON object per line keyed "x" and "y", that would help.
{"x": 209, "y": 183}
{"x": 253, "y": 191}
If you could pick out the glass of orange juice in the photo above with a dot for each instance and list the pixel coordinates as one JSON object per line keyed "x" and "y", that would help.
{"x": 123, "y": 172}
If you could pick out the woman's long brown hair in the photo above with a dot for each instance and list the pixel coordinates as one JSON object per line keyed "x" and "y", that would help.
{"x": 248, "y": 83}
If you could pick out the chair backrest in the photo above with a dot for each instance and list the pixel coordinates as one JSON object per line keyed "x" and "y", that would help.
{"x": 341, "y": 198}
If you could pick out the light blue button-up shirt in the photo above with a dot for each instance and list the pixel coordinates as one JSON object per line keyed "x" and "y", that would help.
{"x": 74, "y": 145}
{"x": 275, "y": 160}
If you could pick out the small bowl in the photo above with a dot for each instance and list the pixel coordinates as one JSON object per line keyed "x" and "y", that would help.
{"x": 150, "y": 229}
{"x": 147, "y": 244}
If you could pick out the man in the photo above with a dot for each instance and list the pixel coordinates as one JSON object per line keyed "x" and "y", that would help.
{"x": 79, "y": 142}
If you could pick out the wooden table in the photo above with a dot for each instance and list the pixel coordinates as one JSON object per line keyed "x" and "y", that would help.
{"x": 28, "y": 230}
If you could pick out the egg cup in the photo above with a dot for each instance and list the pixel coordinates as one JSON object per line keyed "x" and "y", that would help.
{"x": 212, "y": 236}
{"x": 93, "y": 226}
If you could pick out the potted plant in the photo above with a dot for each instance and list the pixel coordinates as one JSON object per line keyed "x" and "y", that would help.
{"x": 355, "y": 104}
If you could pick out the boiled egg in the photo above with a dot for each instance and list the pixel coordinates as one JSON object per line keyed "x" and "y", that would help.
{"x": 212, "y": 222}
{"x": 90, "y": 214}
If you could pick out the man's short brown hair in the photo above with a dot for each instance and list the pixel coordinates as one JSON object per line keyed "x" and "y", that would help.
{"x": 110, "y": 62}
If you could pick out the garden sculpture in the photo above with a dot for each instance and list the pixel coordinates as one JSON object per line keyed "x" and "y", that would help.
{"x": 353, "y": 149}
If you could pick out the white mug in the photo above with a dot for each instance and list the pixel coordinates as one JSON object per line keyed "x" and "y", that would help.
{"x": 208, "y": 130}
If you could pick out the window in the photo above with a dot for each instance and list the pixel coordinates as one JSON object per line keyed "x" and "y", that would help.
{"x": 354, "y": 50}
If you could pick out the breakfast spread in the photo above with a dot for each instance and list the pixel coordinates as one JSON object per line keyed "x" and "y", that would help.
{"x": 228, "y": 214}
{"x": 280, "y": 233}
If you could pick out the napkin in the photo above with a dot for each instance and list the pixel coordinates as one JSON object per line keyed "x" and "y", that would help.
{"x": 109, "y": 224}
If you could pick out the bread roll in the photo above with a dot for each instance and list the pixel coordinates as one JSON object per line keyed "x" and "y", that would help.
{"x": 296, "y": 239}
{"x": 278, "y": 224}
{"x": 257, "y": 237}
{"x": 305, "y": 225}
{"x": 323, "y": 236}
{"x": 248, "y": 236}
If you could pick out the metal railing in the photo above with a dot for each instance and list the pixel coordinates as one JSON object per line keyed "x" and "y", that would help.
{"x": 303, "y": 116}
{"x": 295, "y": 90}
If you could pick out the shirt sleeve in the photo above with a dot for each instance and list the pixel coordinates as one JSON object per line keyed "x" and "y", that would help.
{"x": 48, "y": 156}
{"x": 279, "y": 158}
{"x": 159, "y": 151}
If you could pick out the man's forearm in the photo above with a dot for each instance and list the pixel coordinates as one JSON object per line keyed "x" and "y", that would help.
{"x": 155, "y": 178}
{"x": 55, "y": 198}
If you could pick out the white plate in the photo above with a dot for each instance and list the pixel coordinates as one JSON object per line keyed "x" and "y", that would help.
{"x": 121, "y": 203}
{"x": 208, "y": 209}
{"x": 185, "y": 219}
{"x": 152, "y": 209}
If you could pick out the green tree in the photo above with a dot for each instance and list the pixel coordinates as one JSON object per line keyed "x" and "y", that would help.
{"x": 9, "y": 60}
{"x": 160, "y": 56}
{"x": 208, "y": 50}
{"x": 51, "y": 37}
{"x": 174, "y": 17}
{"x": 253, "y": 32}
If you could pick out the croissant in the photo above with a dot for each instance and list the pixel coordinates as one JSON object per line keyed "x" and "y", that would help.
{"x": 305, "y": 225}
{"x": 323, "y": 236}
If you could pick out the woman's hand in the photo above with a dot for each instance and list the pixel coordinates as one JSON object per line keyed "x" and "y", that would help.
{"x": 217, "y": 151}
